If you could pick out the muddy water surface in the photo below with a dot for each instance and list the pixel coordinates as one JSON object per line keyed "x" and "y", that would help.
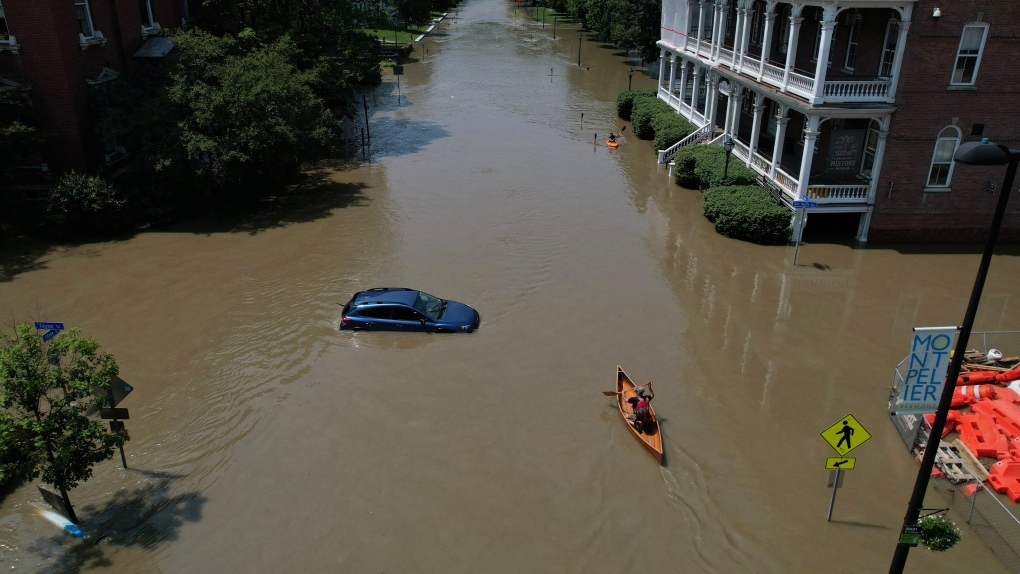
{"x": 264, "y": 440}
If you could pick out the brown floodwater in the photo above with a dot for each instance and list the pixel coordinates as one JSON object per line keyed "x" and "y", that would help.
{"x": 265, "y": 440}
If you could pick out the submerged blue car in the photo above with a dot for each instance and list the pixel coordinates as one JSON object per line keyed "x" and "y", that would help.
{"x": 401, "y": 309}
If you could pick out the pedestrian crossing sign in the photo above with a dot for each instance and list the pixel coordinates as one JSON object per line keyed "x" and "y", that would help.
{"x": 845, "y": 435}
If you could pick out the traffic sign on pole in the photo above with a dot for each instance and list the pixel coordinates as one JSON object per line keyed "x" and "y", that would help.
{"x": 50, "y": 334}
{"x": 845, "y": 435}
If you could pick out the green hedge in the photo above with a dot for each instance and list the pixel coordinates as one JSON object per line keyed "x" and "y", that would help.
{"x": 747, "y": 212}
{"x": 80, "y": 205}
{"x": 670, "y": 128}
{"x": 625, "y": 101}
{"x": 646, "y": 107}
{"x": 708, "y": 168}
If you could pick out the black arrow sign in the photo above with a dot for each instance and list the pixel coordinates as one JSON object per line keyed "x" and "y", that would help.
{"x": 840, "y": 463}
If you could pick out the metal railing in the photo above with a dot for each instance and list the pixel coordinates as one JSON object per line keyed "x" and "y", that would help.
{"x": 667, "y": 155}
{"x": 840, "y": 193}
{"x": 996, "y": 524}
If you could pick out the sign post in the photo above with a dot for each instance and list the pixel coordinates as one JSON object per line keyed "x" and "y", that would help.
{"x": 843, "y": 436}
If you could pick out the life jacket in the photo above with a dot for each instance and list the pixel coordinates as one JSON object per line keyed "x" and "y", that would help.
{"x": 642, "y": 410}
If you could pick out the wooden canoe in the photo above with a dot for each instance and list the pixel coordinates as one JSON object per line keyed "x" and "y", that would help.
{"x": 650, "y": 438}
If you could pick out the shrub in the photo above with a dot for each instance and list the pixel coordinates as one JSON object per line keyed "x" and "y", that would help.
{"x": 670, "y": 128}
{"x": 711, "y": 169}
{"x": 747, "y": 212}
{"x": 645, "y": 109}
{"x": 81, "y": 205}
{"x": 625, "y": 101}
{"x": 683, "y": 167}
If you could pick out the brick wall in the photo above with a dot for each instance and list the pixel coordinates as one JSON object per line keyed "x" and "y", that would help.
{"x": 53, "y": 63}
{"x": 926, "y": 105}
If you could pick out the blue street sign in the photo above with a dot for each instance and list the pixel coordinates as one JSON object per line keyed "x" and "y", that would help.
{"x": 800, "y": 204}
{"x": 57, "y": 326}
{"x": 50, "y": 334}
{"x": 812, "y": 204}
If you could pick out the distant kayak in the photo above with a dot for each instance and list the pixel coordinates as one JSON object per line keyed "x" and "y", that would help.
{"x": 612, "y": 143}
{"x": 650, "y": 438}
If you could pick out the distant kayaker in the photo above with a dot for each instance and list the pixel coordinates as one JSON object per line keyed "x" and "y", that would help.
{"x": 612, "y": 137}
{"x": 640, "y": 403}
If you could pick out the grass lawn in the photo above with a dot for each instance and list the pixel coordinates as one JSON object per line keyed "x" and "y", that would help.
{"x": 538, "y": 13}
{"x": 402, "y": 36}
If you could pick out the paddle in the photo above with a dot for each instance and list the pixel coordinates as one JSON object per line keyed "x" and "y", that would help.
{"x": 614, "y": 393}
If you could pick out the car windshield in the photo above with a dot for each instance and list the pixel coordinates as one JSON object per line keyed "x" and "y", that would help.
{"x": 429, "y": 305}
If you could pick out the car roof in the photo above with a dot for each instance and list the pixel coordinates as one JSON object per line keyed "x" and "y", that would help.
{"x": 402, "y": 296}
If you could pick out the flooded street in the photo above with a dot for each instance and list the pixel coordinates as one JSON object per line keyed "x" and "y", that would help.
{"x": 265, "y": 440}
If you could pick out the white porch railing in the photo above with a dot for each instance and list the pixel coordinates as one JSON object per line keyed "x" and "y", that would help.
{"x": 856, "y": 91}
{"x": 741, "y": 149}
{"x": 774, "y": 74}
{"x": 751, "y": 65}
{"x": 787, "y": 182}
{"x": 667, "y": 155}
{"x": 802, "y": 84}
{"x": 838, "y": 193}
{"x": 761, "y": 164}
{"x": 725, "y": 55}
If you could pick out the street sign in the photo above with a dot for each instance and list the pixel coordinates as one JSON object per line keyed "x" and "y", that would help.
{"x": 840, "y": 463}
{"x": 117, "y": 426}
{"x": 911, "y": 534}
{"x": 50, "y": 334}
{"x": 845, "y": 435}
{"x": 398, "y": 70}
{"x": 106, "y": 413}
{"x": 803, "y": 203}
{"x": 41, "y": 325}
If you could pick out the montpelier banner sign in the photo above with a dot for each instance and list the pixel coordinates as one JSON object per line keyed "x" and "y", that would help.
{"x": 927, "y": 364}
{"x": 845, "y": 150}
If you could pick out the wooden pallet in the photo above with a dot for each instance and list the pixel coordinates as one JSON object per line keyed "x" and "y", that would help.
{"x": 951, "y": 464}
{"x": 970, "y": 460}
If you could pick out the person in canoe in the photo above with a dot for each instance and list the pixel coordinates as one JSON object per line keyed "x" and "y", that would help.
{"x": 640, "y": 403}
{"x": 612, "y": 137}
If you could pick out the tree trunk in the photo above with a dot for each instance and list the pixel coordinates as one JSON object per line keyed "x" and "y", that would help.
{"x": 67, "y": 505}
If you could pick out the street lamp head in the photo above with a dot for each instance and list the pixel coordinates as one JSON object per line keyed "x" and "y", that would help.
{"x": 936, "y": 14}
{"x": 983, "y": 152}
{"x": 578, "y": 35}
{"x": 728, "y": 145}
{"x": 630, "y": 71}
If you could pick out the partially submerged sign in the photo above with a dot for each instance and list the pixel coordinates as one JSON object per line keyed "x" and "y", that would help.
{"x": 926, "y": 370}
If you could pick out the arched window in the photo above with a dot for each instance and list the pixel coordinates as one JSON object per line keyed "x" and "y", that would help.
{"x": 942, "y": 159}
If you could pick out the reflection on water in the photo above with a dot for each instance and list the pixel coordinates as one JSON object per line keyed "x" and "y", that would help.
{"x": 293, "y": 446}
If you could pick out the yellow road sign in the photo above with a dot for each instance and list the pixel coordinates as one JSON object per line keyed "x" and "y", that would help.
{"x": 846, "y": 435}
{"x": 840, "y": 463}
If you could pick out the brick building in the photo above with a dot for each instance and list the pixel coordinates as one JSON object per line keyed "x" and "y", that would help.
{"x": 61, "y": 54}
{"x": 854, "y": 107}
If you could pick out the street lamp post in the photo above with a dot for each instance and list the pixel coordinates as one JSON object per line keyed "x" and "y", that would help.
{"x": 728, "y": 146}
{"x": 630, "y": 77}
{"x": 543, "y": 17}
{"x": 970, "y": 153}
{"x": 554, "y": 26}
{"x": 578, "y": 49}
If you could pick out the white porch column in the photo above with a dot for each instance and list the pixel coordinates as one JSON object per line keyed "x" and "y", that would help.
{"x": 687, "y": 22}
{"x": 766, "y": 47}
{"x": 711, "y": 100}
{"x": 738, "y": 29}
{"x": 738, "y": 103}
{"x": 745, "y": 36}
{"x": 810, "y": 136}
{"x": 864, "y": 225}
{"x": 719, "y": 33}
{"x": 695, "y": 88}
{"x": 683, "y": 82}
{"x": 662, "y": 67}
{"x": 901, "y": 45}
{"x": 759, "y": 108}
{"x": 672, "y": 73}
{"x": 777, "y": 150}
{"x": 791, "y": 48}
{"x": 876, "y": 168}
{"x": 701, "y": 26}
{"x": 823, "y": 58}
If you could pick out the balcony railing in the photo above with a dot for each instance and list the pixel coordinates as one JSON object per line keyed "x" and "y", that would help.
{"x": 787, "y": 182}
{"x": 774, "y": 74}
{"x": 856, "y": 91}
{"x": 838, "y": 193}
{"x": 667, "y": 155}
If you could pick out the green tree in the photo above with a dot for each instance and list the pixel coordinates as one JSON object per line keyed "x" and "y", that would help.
{"x": 47, "y": 389}
{"x": 83, "y": 205}
{"x": 636, "y": 27}
{"x": 414, "y": 12}
{"x": 235, "y": 106}
{"x": 17, "y": 134}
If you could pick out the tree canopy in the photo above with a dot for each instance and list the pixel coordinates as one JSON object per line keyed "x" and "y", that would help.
{"x": 46, "y": 393}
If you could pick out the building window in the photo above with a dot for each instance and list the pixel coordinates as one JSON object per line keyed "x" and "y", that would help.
{"x": 757, "y": 25}
{"x": 783, "y": 30}
{"x": 851, "y": 45}
{"x": 818, "y": 44}
{"x": 729, "y": 22}
{"x": 4, "y": 32}
{"x": 968, "y": 57}
{"x": 892, "y": 30}
{"x": 942, "y": 159}
{"x": 770, "y": 112}
{"x": 84, "y": 15}
{"x": 695, "y": 16}
{"x": 709, "y": 16}
{"x": 145, "y": 11}
{"x": 870, "y": 149}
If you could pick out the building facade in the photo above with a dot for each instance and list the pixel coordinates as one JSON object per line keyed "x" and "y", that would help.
{"x": 61, "y": 55}
{"x": 853, "y": 108}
